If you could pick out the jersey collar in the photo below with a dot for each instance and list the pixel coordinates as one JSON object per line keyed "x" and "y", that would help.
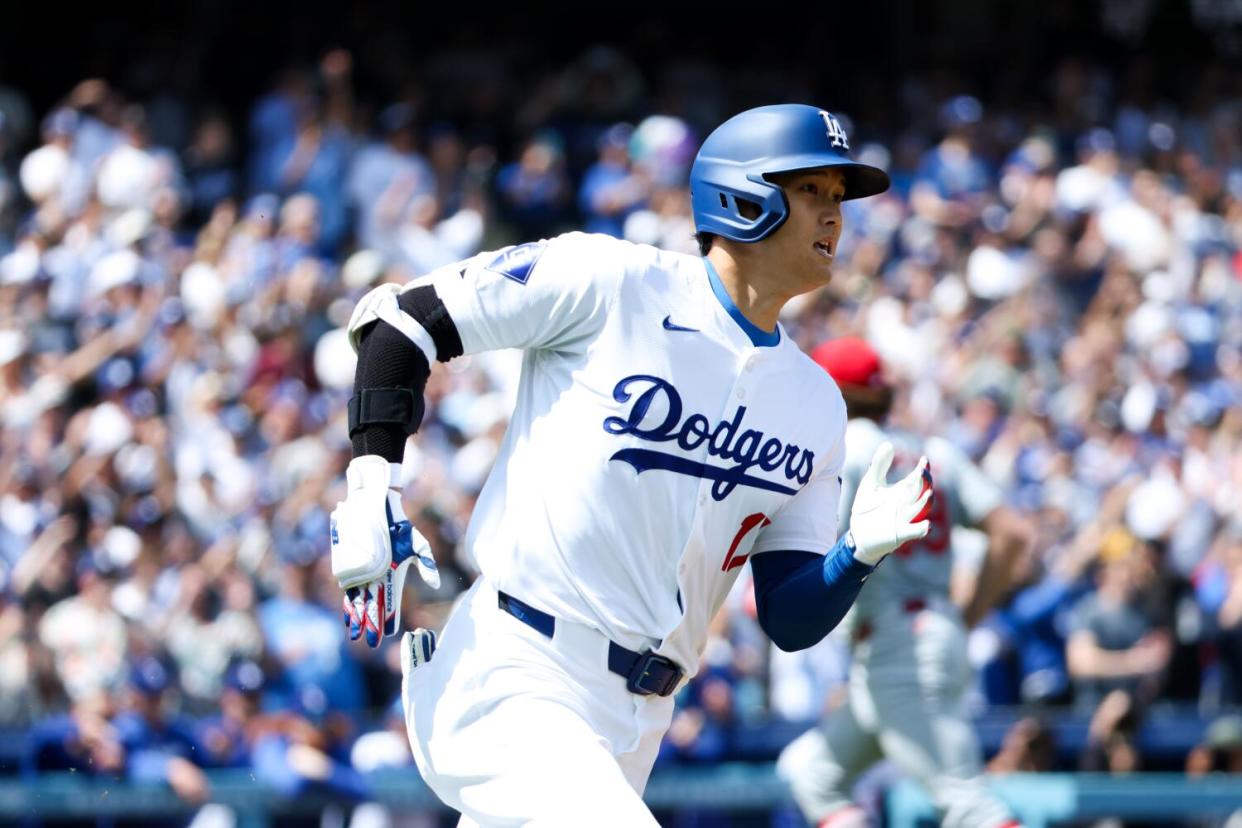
{"x": 758, "y": 336}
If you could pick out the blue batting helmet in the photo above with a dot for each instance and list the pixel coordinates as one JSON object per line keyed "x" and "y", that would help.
{"x": 736, "y": 157}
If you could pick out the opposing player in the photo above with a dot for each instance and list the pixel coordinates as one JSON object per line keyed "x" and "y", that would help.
{"x": 662, "y": 437}
{"x": 908, "y": 638}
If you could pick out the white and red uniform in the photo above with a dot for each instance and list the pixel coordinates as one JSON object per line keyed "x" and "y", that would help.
{"x": 909, "y": 669}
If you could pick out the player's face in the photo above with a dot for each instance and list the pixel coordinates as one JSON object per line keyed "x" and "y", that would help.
{"x": 803, "y": 249}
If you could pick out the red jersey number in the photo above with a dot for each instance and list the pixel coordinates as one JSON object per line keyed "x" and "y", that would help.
{"x": 937, "y": 540}
{"x": 732, "y": 559}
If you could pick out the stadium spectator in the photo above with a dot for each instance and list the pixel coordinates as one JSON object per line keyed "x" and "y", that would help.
{"x": 611, "y": 190}
{"x": 1112, "y": 736}
{"x": 1028, "y": 747}
{"x": 86, "y": 636}
{"x": 1218, "y": 588}
{"x": 388, "y": 747}
{"x": 159, "y": 747}
{"x": 534, "y": 191}
{"x": 227, "y": 738}
{"x": 305, "y": 749}
{"x": 80, "y": 740}
{"x": 1114, "y": 643}
{"x": 301, "y": 636}
{"x": 210, "y": 167}
{"x": 703, "y": 725}
{"x": 212, "y": 625}
{"x": 385, "y": 177}
{"x": 1221, "y": 748}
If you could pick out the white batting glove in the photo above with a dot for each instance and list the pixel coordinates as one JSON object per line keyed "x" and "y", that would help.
{"x": 417, "y": 648}
{"x": 373, "y": 546}
{"x": 884, "y": 517}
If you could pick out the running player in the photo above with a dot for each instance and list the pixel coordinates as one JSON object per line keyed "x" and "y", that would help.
{"x": 908, "y": 638}
{"x": 666, "y": 431}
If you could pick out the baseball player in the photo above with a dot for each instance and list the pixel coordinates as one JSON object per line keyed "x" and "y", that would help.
{"x": 908, "y": 638}
{"x": 660, "y": 440}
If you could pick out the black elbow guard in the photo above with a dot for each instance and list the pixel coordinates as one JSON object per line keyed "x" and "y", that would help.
{"x": 387, "y": 405}
{"x": 424, "y": 304}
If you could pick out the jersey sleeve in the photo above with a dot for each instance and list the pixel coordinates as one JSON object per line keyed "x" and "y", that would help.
{"x": 975, "y": 492}
{"x": 551, "y": 294}
{"x": 808, "y": 522}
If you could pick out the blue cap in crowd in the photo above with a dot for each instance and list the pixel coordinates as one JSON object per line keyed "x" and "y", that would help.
{"x": 397, "y": 117}
{"x": 61, "y": 122}
{"x": 245, "y": 676}
{"x": 149, "y": 676}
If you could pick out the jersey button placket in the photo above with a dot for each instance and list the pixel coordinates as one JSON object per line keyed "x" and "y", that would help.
{"x": 746, "y": 376}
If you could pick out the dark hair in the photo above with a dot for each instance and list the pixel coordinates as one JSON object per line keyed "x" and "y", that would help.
{"x": 705, "y": 242}
{"x": 869, "y": 403}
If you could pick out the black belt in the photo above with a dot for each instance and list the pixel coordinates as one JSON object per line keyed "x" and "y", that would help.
{"x": 645, "y": 673}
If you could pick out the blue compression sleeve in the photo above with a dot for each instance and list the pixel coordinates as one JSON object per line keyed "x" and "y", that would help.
{"x": 802, "y": 596}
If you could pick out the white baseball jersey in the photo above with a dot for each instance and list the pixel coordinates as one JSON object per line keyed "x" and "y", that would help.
{"x": 964, "y": 496}
{"x": 654, "y": 446}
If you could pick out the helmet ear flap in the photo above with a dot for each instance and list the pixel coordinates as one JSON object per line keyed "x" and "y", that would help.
{"x": 729, "y": 203}
{"x": 746, "y": 208}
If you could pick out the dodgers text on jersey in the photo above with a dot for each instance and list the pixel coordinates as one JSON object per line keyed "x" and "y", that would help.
{"x": 726, "y": 439}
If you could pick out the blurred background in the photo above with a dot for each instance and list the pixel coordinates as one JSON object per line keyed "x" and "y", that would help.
{"x": 192, "y": 198}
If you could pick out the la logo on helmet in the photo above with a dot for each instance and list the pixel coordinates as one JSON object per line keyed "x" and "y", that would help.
{"x": 835, "y": 132}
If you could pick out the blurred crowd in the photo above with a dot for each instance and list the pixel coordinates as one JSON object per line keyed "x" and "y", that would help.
{"x": 1055, "y": 286}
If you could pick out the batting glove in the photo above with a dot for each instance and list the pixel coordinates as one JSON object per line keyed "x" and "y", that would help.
{"x": 373, "y": 546}
{"x": 884, "y": 517}
{"x": 417, "y": 648}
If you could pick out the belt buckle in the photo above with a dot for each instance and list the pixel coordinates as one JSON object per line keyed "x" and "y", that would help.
{"x": 646, "y": 677}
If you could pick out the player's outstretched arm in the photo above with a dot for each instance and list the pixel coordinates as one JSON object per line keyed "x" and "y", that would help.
{"x": 802, "y": 596}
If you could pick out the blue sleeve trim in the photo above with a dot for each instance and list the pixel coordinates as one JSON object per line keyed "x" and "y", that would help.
{"x": 801, "y": 596}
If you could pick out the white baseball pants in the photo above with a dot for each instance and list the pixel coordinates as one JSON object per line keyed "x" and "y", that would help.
{"x": 512, "y": 728}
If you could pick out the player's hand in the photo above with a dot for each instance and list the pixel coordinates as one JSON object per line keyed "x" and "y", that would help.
{"x": 373, "y": 546}
{"x": 417, "y": 648}
{"x": 884, "y": 517}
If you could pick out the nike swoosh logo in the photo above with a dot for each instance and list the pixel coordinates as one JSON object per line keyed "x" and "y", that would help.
{"x": 670, "y": 326}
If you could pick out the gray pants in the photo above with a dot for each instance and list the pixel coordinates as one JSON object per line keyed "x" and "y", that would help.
{"x": 904, "y": 704}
